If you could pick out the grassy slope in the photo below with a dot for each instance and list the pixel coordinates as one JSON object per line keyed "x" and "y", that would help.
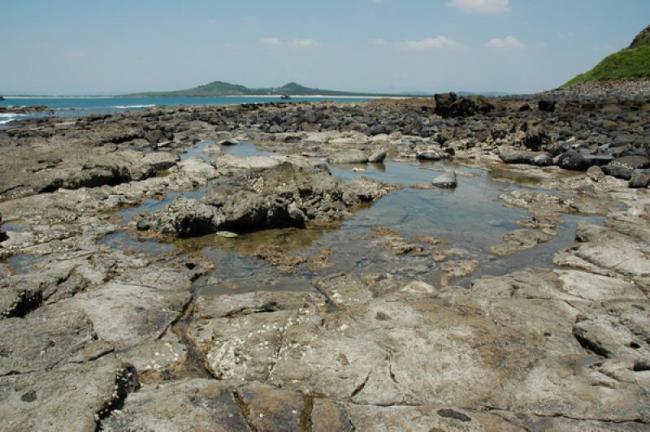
{"x": 625, "y": 65}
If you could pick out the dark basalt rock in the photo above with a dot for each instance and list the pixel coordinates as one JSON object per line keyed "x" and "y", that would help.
{"x": 536, "y": 139}
{"x": 624, "y": 167}
{"x": 618, "y": 171}
{"x": 546, "y": 106}
{"x": 598, "y": 160}
{"x": 573, "y": 160}
{"x": 450, "y": 105}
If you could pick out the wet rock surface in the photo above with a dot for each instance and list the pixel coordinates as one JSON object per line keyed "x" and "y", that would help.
{"x": 227, "y": 326}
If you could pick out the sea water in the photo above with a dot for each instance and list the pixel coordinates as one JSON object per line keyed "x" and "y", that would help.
{"x": 80, "y": 106}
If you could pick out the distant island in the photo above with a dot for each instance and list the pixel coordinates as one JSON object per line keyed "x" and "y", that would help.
{"x": 220, "y": 88}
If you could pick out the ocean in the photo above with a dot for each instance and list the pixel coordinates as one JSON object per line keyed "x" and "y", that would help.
{"x": 80, "y": 106}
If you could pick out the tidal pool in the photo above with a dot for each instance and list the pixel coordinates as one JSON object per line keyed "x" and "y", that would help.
{"x": 400, "y": 234}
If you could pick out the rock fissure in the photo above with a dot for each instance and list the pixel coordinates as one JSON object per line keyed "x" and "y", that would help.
{"x": 126, "y": 382}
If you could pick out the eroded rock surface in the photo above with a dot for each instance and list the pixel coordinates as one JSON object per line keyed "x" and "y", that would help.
{"x": 95, "y": 336}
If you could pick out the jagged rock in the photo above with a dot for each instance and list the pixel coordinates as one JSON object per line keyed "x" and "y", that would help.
{"x": 450, "y": 105}
{"x": 283, "y": 195}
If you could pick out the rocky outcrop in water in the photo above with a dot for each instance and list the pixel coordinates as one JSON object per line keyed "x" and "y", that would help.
{"x": 282, "y": 194}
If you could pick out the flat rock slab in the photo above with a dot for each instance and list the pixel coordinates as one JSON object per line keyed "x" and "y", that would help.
{"x": 63, "y": 400}
{"x": 180, "y": 406}
{"x": 138, "y": 307}
{"x": 47, "y": 338}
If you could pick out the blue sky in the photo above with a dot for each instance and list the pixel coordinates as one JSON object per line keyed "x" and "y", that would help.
{"x": 84, "y": 47}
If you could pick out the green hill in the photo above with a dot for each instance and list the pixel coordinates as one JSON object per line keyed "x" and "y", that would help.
{"x": 631, "y": 63}
{"x": 220, "y": 88}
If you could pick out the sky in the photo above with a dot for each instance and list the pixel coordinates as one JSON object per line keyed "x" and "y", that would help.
{"x": 119, "y": 46}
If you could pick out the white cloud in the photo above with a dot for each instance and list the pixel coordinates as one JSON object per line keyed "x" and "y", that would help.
{"x": 439, "y": 42}
{"x": 508, "y": 42}
{"x": 377, "y": 42}
{"x": 304, "y": 43}
{"x": 271, "y": 40}
{"x": 481, "y": 6}
{"x": 297, "y": 43}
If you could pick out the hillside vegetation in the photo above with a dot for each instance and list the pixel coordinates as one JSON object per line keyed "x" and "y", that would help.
{"x": 632, "y": 63}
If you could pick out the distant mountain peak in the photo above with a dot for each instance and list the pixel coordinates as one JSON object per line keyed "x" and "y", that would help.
{"x": 292, "y": 85}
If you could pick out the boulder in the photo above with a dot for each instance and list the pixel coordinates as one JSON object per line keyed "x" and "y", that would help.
{"x": 633, "y": 162}
{"x": 434, "y": 153}
{"x": 184, "y": 217}
{"x": 625, "y": 166}
{"x": 377, "y": 157}
{"x": 573, "y": 160}
{"x": 595, "y": 173}
{"x": 640, "y": 179}
{"x": 348, "y": 157}
{"x": 446, "y": 180}
{"x": 598, "y": 160}
{"x": 543, "y": 159}
{"x": 229, "y": 142}
{"x": 546, "y": 105}
{"x": 618, "y": 171}
{"x": 525, "y": 157}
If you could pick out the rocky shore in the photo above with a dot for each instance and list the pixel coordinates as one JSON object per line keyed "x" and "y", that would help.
{"x": 96, "y": 337}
